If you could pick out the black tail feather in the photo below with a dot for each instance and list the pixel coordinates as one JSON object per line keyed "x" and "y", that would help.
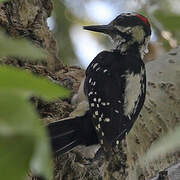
{"x": 70, "y": 132}
{"x": 68, "y": 147}
{"x": 64, "y": 134}
{"x": 63, "y": 126}
{"x": 64, "y": 140}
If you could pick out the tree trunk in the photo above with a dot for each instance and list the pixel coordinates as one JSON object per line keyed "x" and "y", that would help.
{"x": 160, "y": 114}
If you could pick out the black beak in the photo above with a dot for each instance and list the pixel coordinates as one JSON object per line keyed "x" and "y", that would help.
{"x": 99, "y": 28}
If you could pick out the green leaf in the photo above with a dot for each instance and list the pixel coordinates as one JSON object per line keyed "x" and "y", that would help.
{"x": 19, "y": 47}
{"x": 42, "y": 162}
{"x": 15, "y": 152}
{"x": 167, "y": 144}
{"x": 23, "y": 139}
{"x": 170, "y": 20}
{"x": 25, "y": 83}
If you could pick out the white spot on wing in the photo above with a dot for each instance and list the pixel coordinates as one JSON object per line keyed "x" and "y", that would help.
{"x": 96, "y": 113}
{"x": 132, "y": 92}
{"x": 98, "y": 126}
{"x": 90, "y": 93}
{"x": 98, "y": 69}
{"x": 93, "y": 83}
{"x": 95, "y": 65}
{"x": 90, "y": 79}
{"x": 101, "y": 141}
{"x": 107, "y": 120}
{"x": 92, "y": 104}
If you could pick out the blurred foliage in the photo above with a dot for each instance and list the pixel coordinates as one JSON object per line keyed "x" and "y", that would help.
{"x": 171, "y": 21}
{"x": 62, "y": 36}
{"x": 23, "y": 138}
{"x": 25, "y": 83}
{"x": 24, "y": 142}
{"x": 19, "y": 47}
{"x": 167, "y": 144}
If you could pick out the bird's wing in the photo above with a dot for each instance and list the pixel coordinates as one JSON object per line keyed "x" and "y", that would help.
{"x": 104, "y": 89}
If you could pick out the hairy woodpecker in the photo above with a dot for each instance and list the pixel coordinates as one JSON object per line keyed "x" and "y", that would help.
{"x": 114, "y": 88}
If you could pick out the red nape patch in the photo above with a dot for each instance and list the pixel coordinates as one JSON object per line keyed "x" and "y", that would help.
{"x": 144, "y": 19}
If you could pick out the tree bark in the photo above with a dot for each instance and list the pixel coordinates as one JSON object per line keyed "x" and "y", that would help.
{"x": 160, "y": 114}
{"x": 28, "y": 18}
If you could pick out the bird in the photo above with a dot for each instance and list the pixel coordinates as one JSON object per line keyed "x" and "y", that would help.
{"x": 114, "y": 89}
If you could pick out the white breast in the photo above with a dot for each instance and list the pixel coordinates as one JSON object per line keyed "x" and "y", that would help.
{"x": 132, "y": 92}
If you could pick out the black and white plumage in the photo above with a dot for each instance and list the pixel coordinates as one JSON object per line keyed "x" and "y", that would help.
{"x": 116, "y": 94}
{"x": 115, "y": 88}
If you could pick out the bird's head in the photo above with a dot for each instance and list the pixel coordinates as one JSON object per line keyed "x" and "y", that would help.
{"x": 128, "y": 30}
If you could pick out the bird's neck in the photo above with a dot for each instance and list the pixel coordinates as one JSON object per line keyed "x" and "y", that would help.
{"x": 135, "y": 48}
{"x": 131, "y": 46}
